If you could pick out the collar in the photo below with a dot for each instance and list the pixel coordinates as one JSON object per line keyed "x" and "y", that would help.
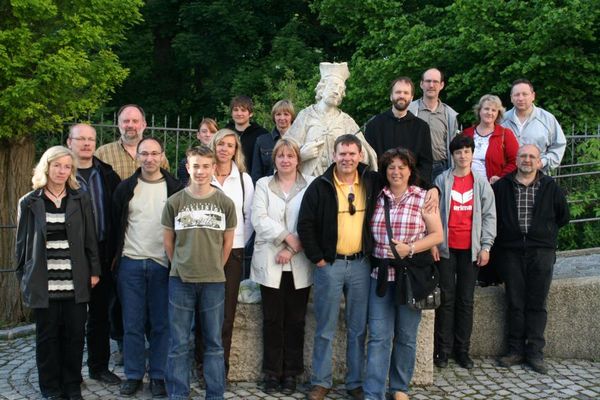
{"x": 340, "y": 183}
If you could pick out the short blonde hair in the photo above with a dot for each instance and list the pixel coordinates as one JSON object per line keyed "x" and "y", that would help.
{"x": 283, "y": 106}
{"x": 40, "y": 172}
{"x": 289, "y": 144}
{"x": 492, "y": 98}
{"x": 238, "y": 157}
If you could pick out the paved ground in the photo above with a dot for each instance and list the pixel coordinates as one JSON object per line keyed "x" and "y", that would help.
{"x": 567, "y": 379}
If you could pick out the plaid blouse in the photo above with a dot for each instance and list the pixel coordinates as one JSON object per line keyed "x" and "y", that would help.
{"x": 406, "y": 220}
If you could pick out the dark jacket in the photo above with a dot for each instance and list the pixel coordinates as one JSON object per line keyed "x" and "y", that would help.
{"x": 110, "y": 181}
{"x": 120, "y": 205}
{"x": 32, "y": 266}
{"x": 550, "y": 212}
{"x": 248, "y": 138}
{"x": 385, "y": 132}
{"x": 262, "y": 161}
{"x": 317, "y": 221}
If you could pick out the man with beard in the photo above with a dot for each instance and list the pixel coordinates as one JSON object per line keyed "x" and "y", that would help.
{"x": 440, "y": 117}
{"x": 398, "y": 127}
{"x": 121, "y": 154}
{"x": 318, "y": 126}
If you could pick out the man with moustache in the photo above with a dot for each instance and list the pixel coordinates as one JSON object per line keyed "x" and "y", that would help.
{"x": 100, "y": 180}
{"x": 398, "y": 127}
{"x": 534, "y": 125}
{"x": 142, "y": 267}
{"x": 121, "y": 154}
{"x": 440, "y": 117}
{"x": 532, "y": 208}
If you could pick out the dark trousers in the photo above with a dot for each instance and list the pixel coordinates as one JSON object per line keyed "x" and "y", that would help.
{"x": 59, "y": 337}
{"x": 98, "y": 323}
{"x": 527, "y": 275}
{"x": 233, "y": 277}
{"x": 454, "y": 317}
{"x": 284, "y": 312}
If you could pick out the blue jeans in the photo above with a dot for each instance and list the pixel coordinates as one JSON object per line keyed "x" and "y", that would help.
{"x": 390, "y": 322}
{"x": 350, "y": 278}
{"x": 143, "y": 290}
{"x": 210, "y": 298}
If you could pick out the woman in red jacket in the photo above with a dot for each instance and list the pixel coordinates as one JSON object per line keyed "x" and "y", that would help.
{"x": 495, "y": 146}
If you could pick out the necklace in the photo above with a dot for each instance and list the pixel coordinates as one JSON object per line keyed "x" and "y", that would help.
{"x": 57, "y": 198}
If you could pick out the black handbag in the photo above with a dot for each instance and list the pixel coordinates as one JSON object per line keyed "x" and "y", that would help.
{"x": 432, "y": 299}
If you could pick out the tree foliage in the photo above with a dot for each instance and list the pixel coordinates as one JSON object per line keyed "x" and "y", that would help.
{"x": 482, "y": 45}
{"x": 56, "y": 60}
{"x": 190, "y": 57}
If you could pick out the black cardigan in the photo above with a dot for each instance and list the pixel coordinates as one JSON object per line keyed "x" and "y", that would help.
{"x": 550, "y": 212}
{"x": 317, "y": 221}
{"x": 385, "y": 132}
{"x": 120, "y": 207}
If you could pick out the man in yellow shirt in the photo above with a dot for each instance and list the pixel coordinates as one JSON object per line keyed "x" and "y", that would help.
{"x": 333, "y": 226}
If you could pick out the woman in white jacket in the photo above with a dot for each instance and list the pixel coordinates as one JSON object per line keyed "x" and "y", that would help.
{"x": 281, "y": 268}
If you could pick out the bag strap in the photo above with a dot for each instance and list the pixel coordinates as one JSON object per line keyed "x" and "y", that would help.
{"x": 388, "y": 225}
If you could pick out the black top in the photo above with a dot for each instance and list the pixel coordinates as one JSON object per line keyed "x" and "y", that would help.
{"x": 248, "y": 138}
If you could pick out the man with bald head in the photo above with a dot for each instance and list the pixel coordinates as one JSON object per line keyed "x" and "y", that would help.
{"x": 440, "y": 117}
{"x": 121, "y": 154}
{"x": 100, "y": 180}
{"x": 531, "y": 208}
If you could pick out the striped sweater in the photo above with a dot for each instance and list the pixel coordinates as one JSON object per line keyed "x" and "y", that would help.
{"x": 60, "y": 276}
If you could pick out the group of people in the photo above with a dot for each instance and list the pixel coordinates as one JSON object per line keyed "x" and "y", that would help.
{"x": 109, "y": 240}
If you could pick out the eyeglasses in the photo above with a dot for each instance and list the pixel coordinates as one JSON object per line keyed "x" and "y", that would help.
{"x": 84, "y": 139}
{"x": 153, "y": 154}
{"x": 351, "y": 206}
{"x": 429, "y": 81}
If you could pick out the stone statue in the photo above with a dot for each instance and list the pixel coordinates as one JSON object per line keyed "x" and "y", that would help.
{"x": 317, "y": 126}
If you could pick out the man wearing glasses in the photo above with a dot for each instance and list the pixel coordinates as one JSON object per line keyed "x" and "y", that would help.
{"x": 333, "y": 226}
{"x": 440, "y": 117}
{"x": 120, "y": 154}
{"x": 142, "y": 274}
{"x": 100, "y": 181}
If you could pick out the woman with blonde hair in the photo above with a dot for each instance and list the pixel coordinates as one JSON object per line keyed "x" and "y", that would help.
{"x": 496, "y": 147}
{"x": 281, "y": 268}
{"x": 283, "y": 115}
{"x": 231, "y": 177}
{"x": 57, "y": 265}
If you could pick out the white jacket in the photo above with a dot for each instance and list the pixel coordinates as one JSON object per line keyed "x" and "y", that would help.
{"x": 274, "y": 217}
{"x": 232, "y": 187}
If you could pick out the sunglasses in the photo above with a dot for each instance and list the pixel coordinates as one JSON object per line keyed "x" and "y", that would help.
{"x": 351, "y": 206}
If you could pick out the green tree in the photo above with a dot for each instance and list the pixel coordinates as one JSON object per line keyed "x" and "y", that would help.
{"x": 56, "y": 65}
{"x": 482, "y": 45}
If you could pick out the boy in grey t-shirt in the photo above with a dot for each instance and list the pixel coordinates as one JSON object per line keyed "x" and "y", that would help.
{"x": 199, "y": 224}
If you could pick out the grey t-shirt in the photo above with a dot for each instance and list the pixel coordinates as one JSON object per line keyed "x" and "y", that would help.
{"x": 199, "y": 224}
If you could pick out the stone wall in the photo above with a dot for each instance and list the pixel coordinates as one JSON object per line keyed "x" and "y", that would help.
{"x": 246, "y": 348}
{"x": 573, "y": 331}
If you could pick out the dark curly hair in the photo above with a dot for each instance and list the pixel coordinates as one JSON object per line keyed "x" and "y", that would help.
{"x": 407, "y": 157}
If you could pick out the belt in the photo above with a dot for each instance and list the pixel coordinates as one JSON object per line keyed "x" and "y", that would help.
{"x": 349, "y": 257}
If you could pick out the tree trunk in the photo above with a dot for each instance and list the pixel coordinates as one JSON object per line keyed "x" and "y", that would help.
{"x": 17, "y": 158}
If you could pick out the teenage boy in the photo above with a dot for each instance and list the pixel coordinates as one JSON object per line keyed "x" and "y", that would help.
{"x": 199, "y": 224}
{"x": 242, "y": 110}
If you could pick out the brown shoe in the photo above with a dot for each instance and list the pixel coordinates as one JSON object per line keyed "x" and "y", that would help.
{"x": 356, "y": 393}
{"x": 510, "y": 359}
{"x": 317, "y": 393}
{"x": 400, "y": 396}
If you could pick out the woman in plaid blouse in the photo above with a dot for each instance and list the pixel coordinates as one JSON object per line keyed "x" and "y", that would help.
{"x": 415, "y": 232}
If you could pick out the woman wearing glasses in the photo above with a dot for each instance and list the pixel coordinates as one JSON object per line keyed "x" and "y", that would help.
{"x": 57, "y": 265}
{"x": 392, "y": 323}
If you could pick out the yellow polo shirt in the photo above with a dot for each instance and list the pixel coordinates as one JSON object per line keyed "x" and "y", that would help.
{"x": 349, "y": 237}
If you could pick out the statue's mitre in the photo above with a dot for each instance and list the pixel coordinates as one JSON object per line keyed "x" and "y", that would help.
{"x": 339, "y": 70}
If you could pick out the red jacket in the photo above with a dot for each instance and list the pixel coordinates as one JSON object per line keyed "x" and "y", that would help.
{"x": 501, "y": 155}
